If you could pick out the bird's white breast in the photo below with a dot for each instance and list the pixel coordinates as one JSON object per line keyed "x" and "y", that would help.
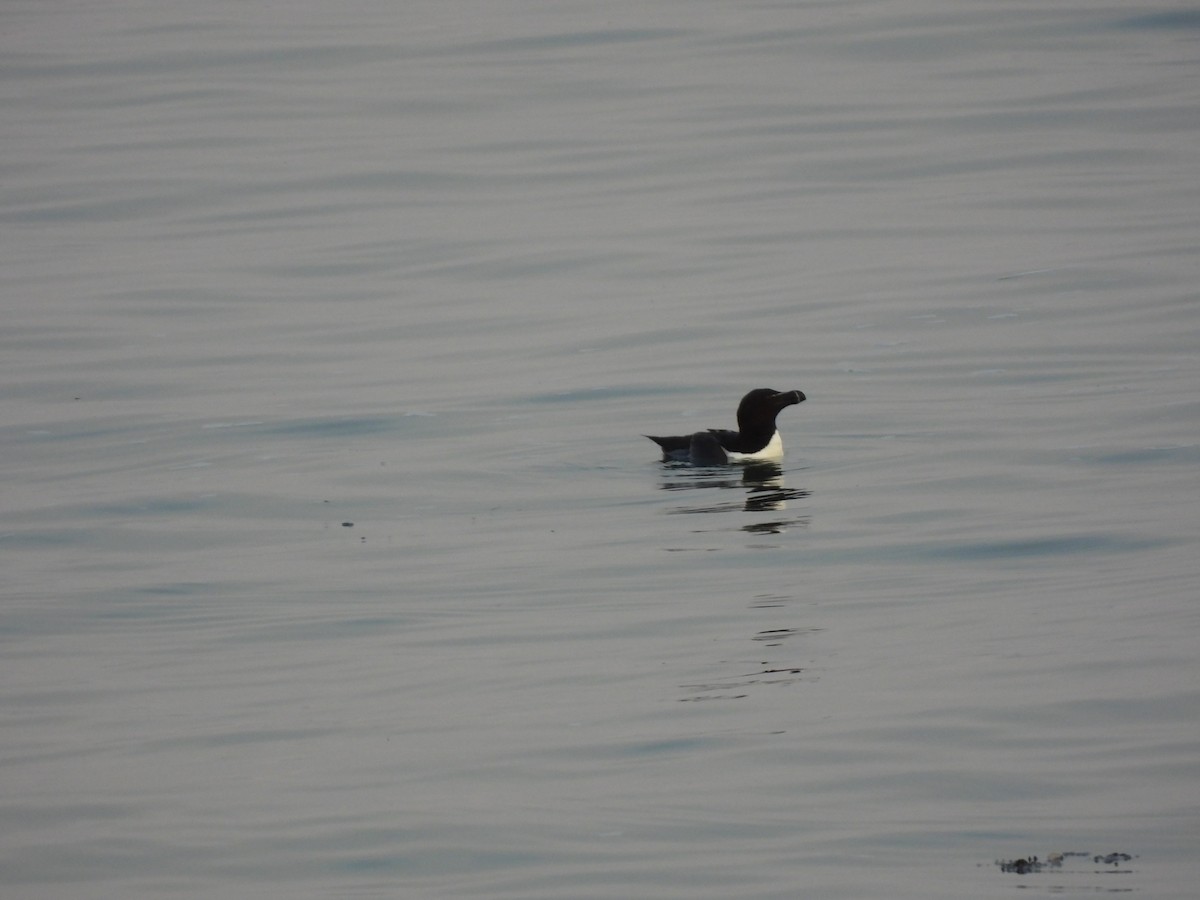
{"x": 773, "y": 452}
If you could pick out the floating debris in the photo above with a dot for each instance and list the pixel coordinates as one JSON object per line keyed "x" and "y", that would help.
{"x": 1033, "y": 864}
{"x": 1020, "y": 866}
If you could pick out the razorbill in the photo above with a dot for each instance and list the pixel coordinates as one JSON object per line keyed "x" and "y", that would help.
{"x": 756, "y": 439}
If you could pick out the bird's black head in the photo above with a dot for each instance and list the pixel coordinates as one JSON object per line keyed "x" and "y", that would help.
{"x": 758, "y": 409}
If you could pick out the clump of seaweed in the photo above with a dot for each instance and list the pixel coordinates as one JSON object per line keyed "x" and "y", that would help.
{"x": 1026, "y": 865}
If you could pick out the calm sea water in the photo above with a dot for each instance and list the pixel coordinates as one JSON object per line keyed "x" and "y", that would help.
{"x": 335, "y": 564}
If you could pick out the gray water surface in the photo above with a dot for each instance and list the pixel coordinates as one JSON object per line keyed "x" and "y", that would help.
{"x": 335, "y": 564}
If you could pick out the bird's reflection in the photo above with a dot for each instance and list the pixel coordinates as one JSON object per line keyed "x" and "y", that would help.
{"x": 760, "y": 488}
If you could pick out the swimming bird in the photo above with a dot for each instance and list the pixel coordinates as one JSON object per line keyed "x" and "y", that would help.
{"x": 756, "y": 439}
